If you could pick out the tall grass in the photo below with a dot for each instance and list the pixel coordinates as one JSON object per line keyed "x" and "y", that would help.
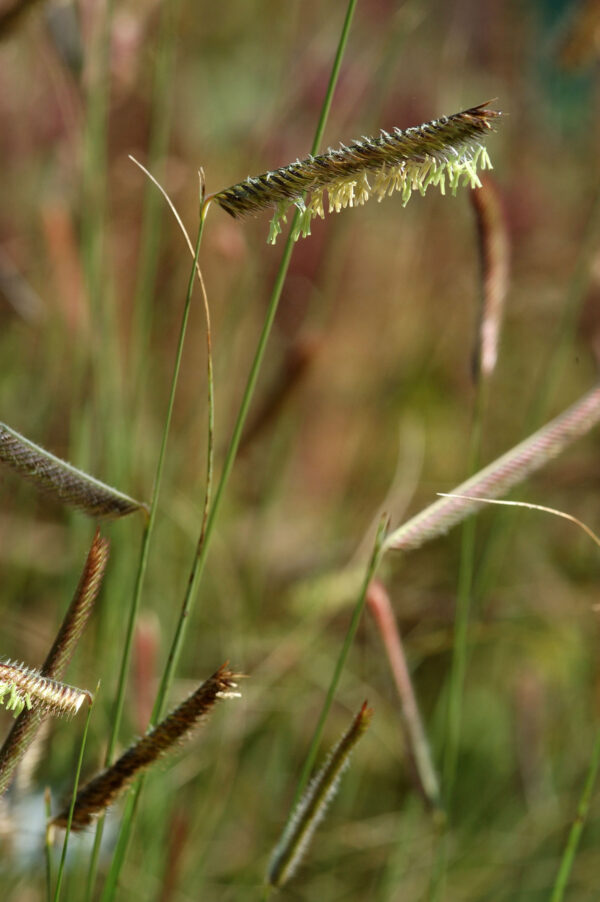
{"x": 483, "y": 637}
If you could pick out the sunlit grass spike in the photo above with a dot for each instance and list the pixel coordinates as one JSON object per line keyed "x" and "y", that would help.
{"x": 22, "y": 688}
{"x": 450, "y": 148}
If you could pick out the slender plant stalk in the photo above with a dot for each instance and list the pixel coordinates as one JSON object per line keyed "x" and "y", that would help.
{"x": 162, "y": 107}
{"x": 48, "y": 844}
{"x": 458, "y": 666}
{"x": 566, "y": 865}
{"x": 143, "y": 560}
{"x": 208, "y": 526}
{"x": 342, "y": 657}
{"x": 63, "y": 857}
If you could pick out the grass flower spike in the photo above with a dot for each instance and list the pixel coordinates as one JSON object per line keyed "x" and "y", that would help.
{"x": 61, "y": 480}
{"x": 29, "y": 689}
{"x": 74, "y": 622}
{"x": 311, "y": 808}
{"x": 450, "y": 148}
{"x": 105, "y": 787}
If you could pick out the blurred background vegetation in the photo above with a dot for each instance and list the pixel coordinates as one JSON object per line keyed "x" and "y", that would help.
{"x": 379, "y": 315}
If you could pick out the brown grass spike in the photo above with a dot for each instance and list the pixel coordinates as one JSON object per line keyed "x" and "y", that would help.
{"x": 103, "y": 789}
{"x": 74, "y": 622}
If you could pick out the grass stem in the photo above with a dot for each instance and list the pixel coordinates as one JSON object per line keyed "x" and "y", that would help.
{"x": 63, "y": 858}
{"x": 583, "y": 808}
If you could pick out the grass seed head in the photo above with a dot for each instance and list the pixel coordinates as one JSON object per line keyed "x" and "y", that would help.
{"x": 446, "y": 150}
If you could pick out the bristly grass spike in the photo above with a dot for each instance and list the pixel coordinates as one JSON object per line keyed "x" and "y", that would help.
{"x": 450, "y": 148}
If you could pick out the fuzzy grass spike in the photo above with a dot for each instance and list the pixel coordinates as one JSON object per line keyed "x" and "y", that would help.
{"x": 61, "y": 480}
{"x": 105, "y": 787}
{"x": 449, "y": 150}
{"x": 311, "y": 808}
{"x": 29, "y": 689}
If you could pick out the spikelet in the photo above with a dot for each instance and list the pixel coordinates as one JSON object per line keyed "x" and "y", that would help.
{"x": 500, "y": 476}
{"x": 27, "y": 688}
{"x": 311, "y": 808}
{"x": 449, "y": 149}
{"x": 27, "y": 725}
{"x": 105, "y": 787}
{"x": 58, "y": 478}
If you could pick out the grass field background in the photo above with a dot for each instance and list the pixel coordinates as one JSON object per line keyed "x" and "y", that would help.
{"x": 380, "y": 307}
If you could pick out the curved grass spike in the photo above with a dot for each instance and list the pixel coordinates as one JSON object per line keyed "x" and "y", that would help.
{"x": 29, "y": 689}
{"x": 500, "y": 476}
{"x": 311, "y": 808}
{"x": 59, "y": 479}
{"x": 26, "y": 726}
{"x": 448, "y": 148}
{"x": 105, "y": 787}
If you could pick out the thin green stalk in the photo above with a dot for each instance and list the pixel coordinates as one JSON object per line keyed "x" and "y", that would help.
{"x": 460, "y": 648}
{"x": 208, "y": 526}
{"x": 143, "y": 560}
{"x": 48, "y": 844}
{"x": 63, "y": 857}
{"x": 162, "y": 107}
{"x": 200, "y": 559}
{"x": 342, "y": 657}
{"x": 110, "y": 887}
{"x": 566, "y": 865}
{"x": 461, "y": 624}
{"x": 337, "y": 673}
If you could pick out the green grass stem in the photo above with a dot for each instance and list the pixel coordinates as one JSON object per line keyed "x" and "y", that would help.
{"x": 48, "y": 844}
{"x": 208, "y": 525}
{"x": 162, "y": 107}
{"x": 144, "y": 554}
{"x": 341, "y": 660}
{"x": 63, "y": 857}
{"x": 568, "y": 858}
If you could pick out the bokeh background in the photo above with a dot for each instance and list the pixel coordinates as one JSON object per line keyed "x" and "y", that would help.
{"x": 377, "y": 323}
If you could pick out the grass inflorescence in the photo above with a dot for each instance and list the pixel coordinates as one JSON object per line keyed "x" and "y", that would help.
{"x": 100, "y": 792}
{"x": 21, "y": 687}
{"x": 444, "y": 150}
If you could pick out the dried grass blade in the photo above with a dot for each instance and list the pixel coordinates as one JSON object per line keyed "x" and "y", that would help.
{"x": 61, "y": 480}
{"x": 494, "y": 255}
{"x": 417, "y": 744}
